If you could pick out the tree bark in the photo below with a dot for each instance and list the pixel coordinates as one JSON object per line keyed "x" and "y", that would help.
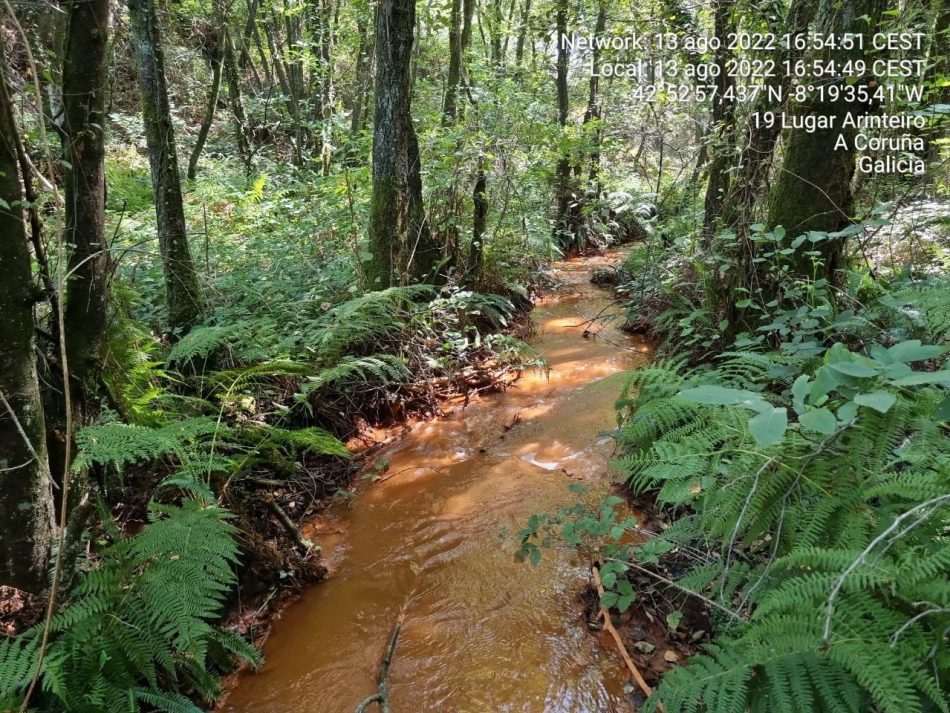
{"x": 231, "y": 74}
{"x": 285, "y": 72}
{"x": 566, "y": 233}
{"x": 450, "y": 100}
{"x": 939, "y": 94}
{"x": 813, "y": 189}
{"x": 594, "y": 112}
{"x": 495, "y": 19}
{"x": 86, "y": 303}
{"x": 26, "y": 502}
{"x": 320, "y": 30}
{"x": 479, "y": 220}
{"x": 523, "y": 33}
{"x": 244, "y": 56}
{"x": 85, "y": 85}
{"x": 182, "y": 292}
{"x": 759, "y": 140}
{"x": 399, "y": 238}
{"x": 723, "y": 119}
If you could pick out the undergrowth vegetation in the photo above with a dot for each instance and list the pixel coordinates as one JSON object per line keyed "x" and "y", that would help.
{"x": 140, "y": 627}
{"x": 235, "y": 237}
{"x": 804, "y": 471}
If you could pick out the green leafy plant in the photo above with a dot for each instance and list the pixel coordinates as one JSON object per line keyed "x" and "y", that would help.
{"x": 824, "y": 517}
{"x": 138, "y": 632}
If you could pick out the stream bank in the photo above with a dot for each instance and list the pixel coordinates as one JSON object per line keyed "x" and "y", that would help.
{"x": 432, "y": 544}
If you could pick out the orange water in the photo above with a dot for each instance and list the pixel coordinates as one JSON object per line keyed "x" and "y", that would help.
{"x": 434, "y": 544}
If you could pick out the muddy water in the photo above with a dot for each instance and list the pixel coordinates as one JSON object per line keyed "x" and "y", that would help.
{"x": 433, "y": 545}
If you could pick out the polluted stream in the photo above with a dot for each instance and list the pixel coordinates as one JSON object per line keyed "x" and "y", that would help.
{"x": 432, "y": 545}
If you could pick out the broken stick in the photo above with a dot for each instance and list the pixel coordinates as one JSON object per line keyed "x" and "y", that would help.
{"x": 609, "y": 628}
{"x": 292, "y": 530}
{"x": 382, "y": 679}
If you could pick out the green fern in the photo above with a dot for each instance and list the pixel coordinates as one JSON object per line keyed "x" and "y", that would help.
{"x": 829, "y": 542}
{"x": 365, "y": 322}
{"x": 379, "y": 369}
{"x": 132, "y": 371}
{"x": 927, "y": 306}
{"x": 121, "y": 444}
{"x": 297, "y": 441}
{"x": 138, "y": 630}
{"x": 201, "y": 342}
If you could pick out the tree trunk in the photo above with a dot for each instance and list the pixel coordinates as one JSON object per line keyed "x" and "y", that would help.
{"x": 450, "y": 101}
{"x": 262, "y": 54}
{"x": 508, "y": 25}
{"x": 759, "y": 140}
{"x": 813, "y": 188}
{"x": 723, "y": 115}
{"x": 285, "y": 72}
{"x": 479, "y": 220}
{"x": 495, "y": 20}
{"x": 244, "y": 56}
{"x": 594, "y": 112}
{"x": 86, "y": 308}
{"x": 939, "y": 93}
{"x": 320, "y": 26}
{"x": 565, "y": 228}
{"x": 26, "y": 501}
{"x": 209, "y": 110}
{"x": 523, "y": 33}
{"x": 182, "y": 292}
{"x": 465, "y": 46}
{"x": 364, "y": 68}
{"x": 85, "y": 86}
{"x": 399, "y": 238}
{"x": 232, "y": 75}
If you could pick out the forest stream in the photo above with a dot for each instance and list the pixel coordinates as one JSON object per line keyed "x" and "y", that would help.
{"x": 432, "y": 544}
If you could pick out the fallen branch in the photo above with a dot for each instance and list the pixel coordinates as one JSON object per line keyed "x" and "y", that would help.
{"x": 382, "y": 679}
{"x": 609, "y": 628}
{"x": 292, "y": 530}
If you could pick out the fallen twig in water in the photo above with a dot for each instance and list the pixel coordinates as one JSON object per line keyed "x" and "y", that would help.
{"x": 609, "y": 627}
{"x": 382, "y": 680}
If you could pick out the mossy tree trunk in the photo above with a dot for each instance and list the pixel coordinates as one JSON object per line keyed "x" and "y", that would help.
{"x": 940, "y": 67}
{"x": 566, "y": 230}
{"x": 522, "y": 32}
{"x": 182, "y": 291}
{"x": 479, "y": 221}
{"x": 320, "y": 27}
{"x": 400, "y": 241}
{"x": 495, "y": 18}
{"x": 812, "y": 191}
{"x": 231, "y": 75}
{"x": 26, "y": 502}
{"x": 758, "y": 140}
{"x": 85, "y": 87}
{"x": 86, "y": 305}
